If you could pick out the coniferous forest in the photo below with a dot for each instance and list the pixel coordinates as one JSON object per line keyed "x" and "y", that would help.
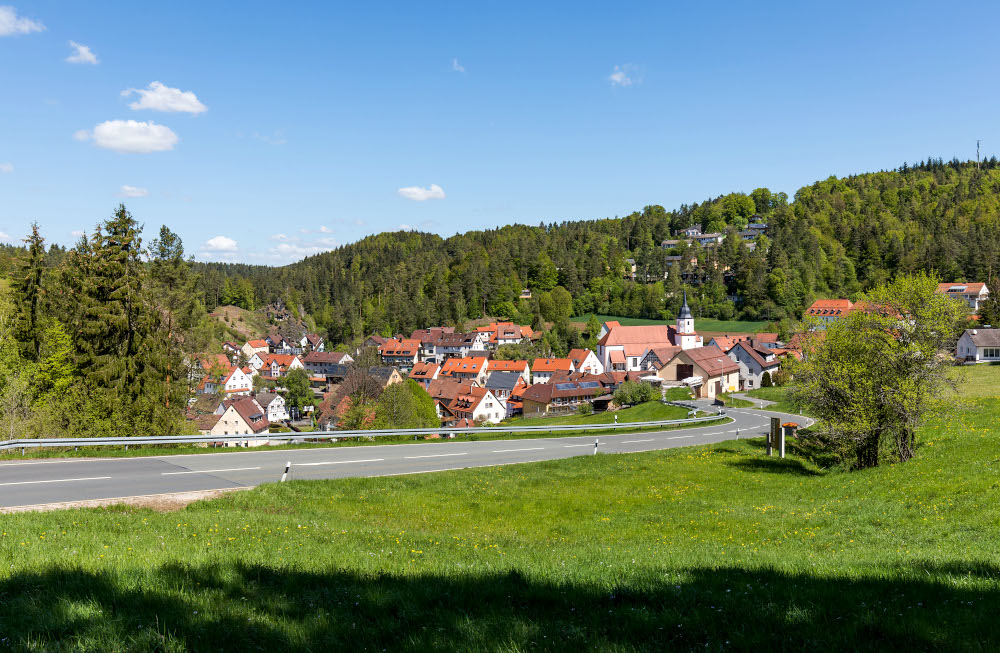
{"x": 97, "y": 336}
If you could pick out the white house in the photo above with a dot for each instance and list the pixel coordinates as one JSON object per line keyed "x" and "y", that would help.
{"x": 313, "y": 342}
{"x": 972, "y": 294}
{"x": 256, "y": 361}
{"x": 237, "y": 382}
{"x": 754, "y": 362}
{"x": 622, "y": 348}
{"x": 242, "y": 417}
{"x": 274, "y": 405}
{"x": 978, "y": 346}
{"x": 460, "y": 345}
{"x": 585, "y": 360}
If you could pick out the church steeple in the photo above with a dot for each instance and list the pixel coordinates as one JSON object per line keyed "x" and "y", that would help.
{"x": 686, "y": 337}
{"x": 685, "y": 310}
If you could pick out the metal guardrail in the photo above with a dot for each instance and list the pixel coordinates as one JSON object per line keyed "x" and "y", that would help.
{"x": 336, "y": 435}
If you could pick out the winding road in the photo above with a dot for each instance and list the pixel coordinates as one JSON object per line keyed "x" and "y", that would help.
{"x": 53, "y": 481}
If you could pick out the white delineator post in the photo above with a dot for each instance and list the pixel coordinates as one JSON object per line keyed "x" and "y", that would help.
{"x": 595, "y": 446}
{"x": 288, "y": 467}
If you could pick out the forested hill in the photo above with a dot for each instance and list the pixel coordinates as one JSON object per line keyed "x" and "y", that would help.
{"x": 835, "y": 238}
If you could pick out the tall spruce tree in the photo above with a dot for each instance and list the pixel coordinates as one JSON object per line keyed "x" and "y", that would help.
{"x": 28, "y": 296}
{"x": 173, "y": 285}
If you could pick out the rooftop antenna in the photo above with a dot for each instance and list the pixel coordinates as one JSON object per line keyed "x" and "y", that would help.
{"x": 978, "y": 141}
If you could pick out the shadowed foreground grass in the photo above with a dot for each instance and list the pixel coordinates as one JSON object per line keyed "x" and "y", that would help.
{"x": 707, "y": 548}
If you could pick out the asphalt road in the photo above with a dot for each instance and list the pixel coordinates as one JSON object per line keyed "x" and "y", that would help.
{"x": 41, "y": 482}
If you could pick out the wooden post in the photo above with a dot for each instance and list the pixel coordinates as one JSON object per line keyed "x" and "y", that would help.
{"x": 772, "y": 436}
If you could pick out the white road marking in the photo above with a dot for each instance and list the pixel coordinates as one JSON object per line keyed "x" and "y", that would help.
{"x": 338, "y": 462}
{"x": 633, "y": 441}
{"x": 678, "y": 437}
{"x": 60, "y": 480}
{"x": 577, "y": 445}
{"x": 435, "y": 455}
{"x": 513, "y": 450}
{"x": 209, "y": 471}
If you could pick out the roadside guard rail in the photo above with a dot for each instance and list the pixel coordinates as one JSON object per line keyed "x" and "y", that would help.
{"x": 336, "y": 435}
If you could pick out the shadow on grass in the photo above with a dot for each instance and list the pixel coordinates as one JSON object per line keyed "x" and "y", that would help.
{"x": 252, "y": 607}
{"x": 773, "y": 465}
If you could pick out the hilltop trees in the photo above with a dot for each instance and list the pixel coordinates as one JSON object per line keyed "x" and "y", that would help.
{"x": 872, "y": 378}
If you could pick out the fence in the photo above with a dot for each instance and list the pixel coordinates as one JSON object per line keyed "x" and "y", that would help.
{"x": 336, "y": 435}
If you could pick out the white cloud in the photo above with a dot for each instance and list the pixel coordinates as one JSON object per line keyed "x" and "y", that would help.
{"x": 405, "y": 227}
{"x": 81, "y": 54}
{"x": 160, "y": 97}
{"x": 419, "y": 194}
{"x": 625, "y": 75}
{"x": 457, "y": 67}
{"x": 133, "y": 191}
{"x": 277, "y": 139}
{"x": 220, "y": 244}
{"x": 359, "y": 223}
{"x": 11, "y": 23}
{"x": 6, "y": 167}
{"x": 4, "y": 238}
{"x": 76, "y": 233}
{"x": 281, "y": 238}
{"x": 323, "y": 229}
{"x": 130, "y": 136}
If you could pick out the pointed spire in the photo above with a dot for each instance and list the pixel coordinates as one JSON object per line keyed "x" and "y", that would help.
{"x": 685, "y": 310}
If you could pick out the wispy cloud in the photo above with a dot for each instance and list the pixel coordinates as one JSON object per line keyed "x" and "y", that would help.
{"x": 160, "y": 97}
{"x": 11, "y": 23}
{"x": 278, "y": 138}
{"x": 220, "y": 244}
{"x": 81, "y": 54}
{"x": 130, "y": 136}
{"x": 457, "y": 67}
{"x": 133, "y": 191}
{"x": 4, "y": 238}
{"x": 625, "y": 75}
{"x": 420, "y": 194}
{"x": 6, "y": 168}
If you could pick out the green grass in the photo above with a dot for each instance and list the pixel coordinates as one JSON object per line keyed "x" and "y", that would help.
{"x": 677, "y": 394}
{"x": 702, "y": 548}
{"x": 700, "y": 324}
{"x": 648, "y": 412}
{"x": 780, "y": 395}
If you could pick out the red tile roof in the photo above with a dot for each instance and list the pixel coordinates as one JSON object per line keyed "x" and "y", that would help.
{"x": 551, "y": 365}
{"x": 470, "y": 365}
{"x": 713, "y": 360}
{"x": 657, "y": 335}
{"x": 408, "y": 348}
{"x": 423, "y": 371}
{"x": 830, "y": 308}
{"x": 506, "y": 366}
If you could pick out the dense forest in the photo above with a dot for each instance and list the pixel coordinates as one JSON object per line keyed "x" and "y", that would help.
{"x": 96, "y": 338}
{"x": 836, "y": 237}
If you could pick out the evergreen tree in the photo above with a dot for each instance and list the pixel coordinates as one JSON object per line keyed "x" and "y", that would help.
{"x": 28, "y": 295}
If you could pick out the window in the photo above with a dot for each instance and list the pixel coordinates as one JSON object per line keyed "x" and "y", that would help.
{"x": 991, "y": 352}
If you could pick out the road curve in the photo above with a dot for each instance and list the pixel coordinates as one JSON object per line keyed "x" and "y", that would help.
{"x": 42, "y": 482}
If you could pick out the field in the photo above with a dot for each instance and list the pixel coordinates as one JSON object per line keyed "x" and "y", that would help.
{"x": 647, "y": 412}
{"x": 710, "y": 548}
{"x": 702, "y": 325}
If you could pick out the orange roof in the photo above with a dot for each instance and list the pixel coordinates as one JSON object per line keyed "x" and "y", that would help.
{"x": 578, "y": 355}
{"x": 283, "y": 360}
{"x": 725, "y": 343}
{"x": 961, "y": 288}
{"x": 651, "y": 336}
{"x": 551, "y": 365}
{"x": 830, "y": 307}
{"x": 222, "y": 360}
{"x": 423, "y": 370}
{"x": 405, "y": 347}
{"x": 472, "y": 365}
{"x": 506, "y": 366}
{"x": 258, "y": 344}
{"x": 617, "y": 356}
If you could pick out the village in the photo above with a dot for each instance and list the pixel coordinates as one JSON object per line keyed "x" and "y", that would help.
{"x": 247, "y": 385}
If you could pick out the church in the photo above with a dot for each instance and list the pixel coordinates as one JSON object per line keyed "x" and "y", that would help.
{"x": 622, "y": 348}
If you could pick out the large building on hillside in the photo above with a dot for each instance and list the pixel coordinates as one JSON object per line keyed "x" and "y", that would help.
{"x": 622, "y": 348}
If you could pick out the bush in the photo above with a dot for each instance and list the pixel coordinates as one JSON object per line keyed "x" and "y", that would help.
{"x": 585, "y": 409}
{"x": 632, "y": 393}
{"x": 765, "y": 380}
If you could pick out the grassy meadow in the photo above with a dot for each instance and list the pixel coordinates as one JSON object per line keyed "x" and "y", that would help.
{"x": 712, "y": 548}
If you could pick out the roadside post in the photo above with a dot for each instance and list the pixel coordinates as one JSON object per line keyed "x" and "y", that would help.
{"x": 288, "y": 466}
{"x": 772, "y": 436}
{"x": 595, "y": 446}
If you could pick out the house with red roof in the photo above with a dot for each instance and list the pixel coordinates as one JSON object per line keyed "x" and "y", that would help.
{"x": 972, "y": 294}
{"x": 542, "y": 369}
{"x": 622, "y": 348}
{"x": 521, "y": 367}
{"x": 252, "y": 347}
{"x": 424, "y": 373}
{"x": 756, "y": 361}
{"x": 242, "y": 417}
{"x": 400, "y": 353}
{"x": 708, "y": 371}
{"x": 559, "y": 398}
{"x": 478, "y": 405}
{"x": 465, "y": 369}
{"x": 829, "y": 310}
{"x": 279, "y": 365}
{"x": 585, "y": 360}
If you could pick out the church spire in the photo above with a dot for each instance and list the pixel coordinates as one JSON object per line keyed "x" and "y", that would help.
{"x": 685, "y": 309}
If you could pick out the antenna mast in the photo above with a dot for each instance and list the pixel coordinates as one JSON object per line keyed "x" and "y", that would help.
{"x": 977, "y": 153}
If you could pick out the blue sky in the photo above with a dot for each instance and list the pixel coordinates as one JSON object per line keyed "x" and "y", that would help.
{"x": 293, "y": 129}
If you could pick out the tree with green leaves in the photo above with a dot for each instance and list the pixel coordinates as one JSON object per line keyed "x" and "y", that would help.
{"x": 173, "y": 284}
{"x": 874, "y": 375}
{"x": 298, "y": 393}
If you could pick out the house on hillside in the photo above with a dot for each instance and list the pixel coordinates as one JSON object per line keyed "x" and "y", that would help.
{"x": 279, "y": 365}
{"x": 505, "y": 333}
{"x": 465, "y": 369}
{"x": 978, "y": 346}
{"x": 543, "y": 368}
{"x": 755, "y": 361}
{"x": 559, "y": 398}
{"x": 708, "y": 240}
{"x": 585, "y": 360}
{"x": 232, "y": 349}
{"x": 521, "y": 367}
{"x": 386, "y": 375}
{"x": 312, "y": 342}
{"x": 503, "y": 385}
{"x": 829, "y": 310}
{"x": 459, "y": 345}
{"x": 427, "y": 338}
{"x": 478, "y": 405}
{"x": 690, "y": 232}
{"x": 242, "y": 417}
{"x": 252, "y": 347}
{"x": 622, "y": 348}
{"x": 424, "y": 373}
{"x": 273, "y": 405}
{"x": 443, "y": 391}
{"x": 972, "y": 294}
{"x": 321, "y": 363}
{"x": 237, "y": 382}
{"x": 400, "y": 353}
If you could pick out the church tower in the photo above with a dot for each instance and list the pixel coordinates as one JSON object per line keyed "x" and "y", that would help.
{"x": 686, "y": 337}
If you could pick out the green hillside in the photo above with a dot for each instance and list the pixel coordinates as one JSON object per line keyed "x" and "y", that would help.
{"x": 714, "y": 547}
